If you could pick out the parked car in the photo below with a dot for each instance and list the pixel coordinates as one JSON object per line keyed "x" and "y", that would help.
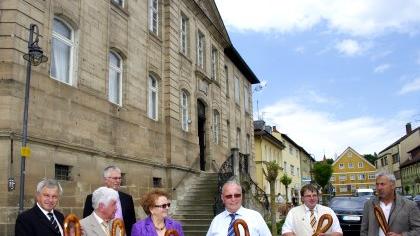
{"x": 364, "y": 192}
{"x": 417, "y": 200}
{"x": 349, "y": 211}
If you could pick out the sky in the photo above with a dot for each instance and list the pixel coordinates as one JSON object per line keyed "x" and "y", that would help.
{"x": 334, "y": 74}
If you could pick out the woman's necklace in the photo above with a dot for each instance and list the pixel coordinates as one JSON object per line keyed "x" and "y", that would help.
{"x": 160, "y": 229}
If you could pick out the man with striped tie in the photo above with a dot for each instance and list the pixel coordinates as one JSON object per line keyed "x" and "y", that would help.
{"x": 303, "y": 220}
{"x": 42, "y": 219}
{"x": 222, "y": 224}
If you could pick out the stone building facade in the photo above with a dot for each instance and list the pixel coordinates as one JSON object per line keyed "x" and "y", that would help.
{"x": 154, "y": 87}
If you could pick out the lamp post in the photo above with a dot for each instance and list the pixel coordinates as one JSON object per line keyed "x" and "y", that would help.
{"x": 35, "y": 56}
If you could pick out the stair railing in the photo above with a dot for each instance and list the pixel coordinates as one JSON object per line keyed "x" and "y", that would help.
{"x": 224, "y": 174}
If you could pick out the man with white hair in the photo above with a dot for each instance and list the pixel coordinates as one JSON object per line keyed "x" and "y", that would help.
{"x": 401, "y": 215}
{"x": 42, "y": 219}
{"x": 104, "y": 202}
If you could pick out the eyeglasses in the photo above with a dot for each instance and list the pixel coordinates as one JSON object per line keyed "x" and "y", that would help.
{"x": 230, "y": 196}
{"x": 164, "y": 206}
{"x": 114, "y": 178}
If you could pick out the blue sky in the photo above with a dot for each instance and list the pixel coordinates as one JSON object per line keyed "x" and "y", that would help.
{"x": 337, "y": 73}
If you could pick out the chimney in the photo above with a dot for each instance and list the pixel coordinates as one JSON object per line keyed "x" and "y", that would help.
{"x": 268, "y": 129}
{"x": 274, "y": 129}
{"x": 408, "y": 128}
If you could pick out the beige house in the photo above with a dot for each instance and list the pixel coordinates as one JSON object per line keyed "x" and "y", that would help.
{"x": 390, "y": 159}
{"x": 154, "y": 87}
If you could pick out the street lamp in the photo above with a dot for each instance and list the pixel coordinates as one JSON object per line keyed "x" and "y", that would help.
{"x": 35, "y": 56}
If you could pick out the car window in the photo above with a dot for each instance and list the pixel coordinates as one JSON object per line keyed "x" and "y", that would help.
{"x": 347, "y": 203}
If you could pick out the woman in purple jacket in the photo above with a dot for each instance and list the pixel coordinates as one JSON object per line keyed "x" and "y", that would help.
{"x": 156, "y": 205}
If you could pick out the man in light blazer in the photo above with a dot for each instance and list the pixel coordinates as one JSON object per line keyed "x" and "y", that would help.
{"x": 402, "y": 215}
{"x": 42, "y": 219}
{"x": 125, "y": 205}
{"x": 99, "y": 223}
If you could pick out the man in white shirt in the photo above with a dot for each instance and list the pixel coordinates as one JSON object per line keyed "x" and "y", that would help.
{"x": 303, "y": 220}
{"x": 104, "y": 202}
{"x": 232, "y": 199}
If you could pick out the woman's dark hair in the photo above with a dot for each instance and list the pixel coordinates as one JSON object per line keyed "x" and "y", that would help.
{"x": 149, "y": 199}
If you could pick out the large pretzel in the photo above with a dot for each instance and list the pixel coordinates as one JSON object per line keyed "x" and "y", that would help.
{"x": 71, "y": 218}
{"x": 172, "y": 232}
{"x": 236, "y": 227}
{"x": 117, "y": 223}
{"x": 380, "y": 217}
{"x": 322, "y": 229}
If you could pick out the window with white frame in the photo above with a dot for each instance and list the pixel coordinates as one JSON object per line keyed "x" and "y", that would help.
{"x": 246, "y": 98}
{"x": 200, "y": 50}
{"x": 332, "y": 179}
{"x": 154, "y": 16}
{"x": 62, "y": 51}
{"x": 118, "y": 2}
{"x": 184, "y": 110}
{"x": 343, "y": 189}
{"x": 227, "y": 80}
{"x": 238, "y": 138}
{"x": 292, "y": 170}
{"x": 285, "y": 167}
{"x": 216, "y": 126}
{"x": 237, "y": 92}
{"x": 350, "y": 165}
{"x": 360, "y": 164}
{"x": 341, "y": 166}
{"x": 214, "y": 62}
{"x": 352, "y": 177}
{"x": 361, "y": 176}
{"x": 342, "y": 177}
{"x": 115, "y": 78}
{"x": 371, "y": 176}
{"x": 153, "y": 98}
{"x": 184, "y": 34}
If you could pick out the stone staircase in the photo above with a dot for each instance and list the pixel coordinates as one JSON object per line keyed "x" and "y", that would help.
{"x": 195, "y": 208}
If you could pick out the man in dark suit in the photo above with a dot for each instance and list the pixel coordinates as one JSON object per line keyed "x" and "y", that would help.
{"x": 42, "y": 219}
{"x": 125, "y": 205}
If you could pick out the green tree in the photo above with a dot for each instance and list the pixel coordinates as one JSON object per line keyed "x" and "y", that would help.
{"x": 271, "y": 175}
{"x": 286, "y": 181}
{"x": 371, "y": 158}
{"x": 322, "y": 173}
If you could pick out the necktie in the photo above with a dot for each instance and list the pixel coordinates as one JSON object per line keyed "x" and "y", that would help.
{"x": 54, "y": 223}
{"x": 230, "y": 229}
{"x": 313, "y": 220}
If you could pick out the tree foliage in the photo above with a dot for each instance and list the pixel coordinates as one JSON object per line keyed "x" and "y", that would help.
{"x": 371, "y": 158}
{"x": 286, "y": 181}
{"x": 322, "y": 173}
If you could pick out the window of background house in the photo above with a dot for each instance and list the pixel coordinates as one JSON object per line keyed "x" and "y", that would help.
{"x": 154, "y": 16}
{"x": 248, "y": 144}
{"x": 184, "y": 34}
{"x": 341, "y": 166}
{"x": 200, "y": 50}
{"x": 216, "y": 126}
{"x": 157, "y": 182}
{"x": 115, "y": 78}
{"x": 238, "y": 138}
{"x": 62, "y": 51}
{"x": 184, "y": 110}
{"x": 246, "y": 98}
{"x": 153, "y": 98}
{"x": 237, "y": 92}
{"x": 360, "y": 164}
{"x": 214, "y": 62}
{"x": 62, "y": 172}
{"x": 119, "y": 2}
{"x": 227, "y": 80}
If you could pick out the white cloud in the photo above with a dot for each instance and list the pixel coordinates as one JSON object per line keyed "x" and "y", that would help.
{"x": 410, "y": 87}
{"x": 321, "y": 132}
{"x": 300, "y": 49}
{"x": 349, "y": 47}
{"x": 354, "y": 17}
{"x": 381, "y": 68}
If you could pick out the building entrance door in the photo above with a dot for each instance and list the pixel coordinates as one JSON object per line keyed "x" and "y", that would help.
{"x": 201, "y": 117}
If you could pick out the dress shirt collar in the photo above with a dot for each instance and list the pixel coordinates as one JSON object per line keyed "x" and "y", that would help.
{"x": 99, "y": 219}
{"x": 44, "y": 211}
{"x": 308, "y": 210}
{"x": 239, "y": 212}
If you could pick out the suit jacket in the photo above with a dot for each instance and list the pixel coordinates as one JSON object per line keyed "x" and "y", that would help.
{"x": 146, "y": 228}
{"x": 91, "y": 226}
{"x": 404, "y": 218}
{"x": 34, "y": 222}
{"x": 127, "y": 207}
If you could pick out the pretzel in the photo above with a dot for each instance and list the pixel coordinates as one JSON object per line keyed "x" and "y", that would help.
{"x": 117, "y": 223}
{"x": 322, "y": 229}
{"x": 236, "y": 227}
{"x": 170, "y": 232}
{"x": 380, "y": 218}
{"x": 71, "y": 218}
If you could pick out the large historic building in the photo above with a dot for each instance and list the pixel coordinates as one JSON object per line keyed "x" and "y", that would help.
{"x": 352, "y": 171}
{"x": 155, "y": 87}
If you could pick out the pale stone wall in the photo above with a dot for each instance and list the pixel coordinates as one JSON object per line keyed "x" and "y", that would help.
{"x": 75, "y": 124}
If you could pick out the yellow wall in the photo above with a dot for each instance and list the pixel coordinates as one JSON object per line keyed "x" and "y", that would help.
{"x": 349, "y": 166}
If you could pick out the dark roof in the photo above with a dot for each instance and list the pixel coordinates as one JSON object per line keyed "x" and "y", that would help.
{"x": 270, "y": 137}
{"x": 400, "y": 139}
{"x": 414, "y": 160}
{"x": 236, "y": 58}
